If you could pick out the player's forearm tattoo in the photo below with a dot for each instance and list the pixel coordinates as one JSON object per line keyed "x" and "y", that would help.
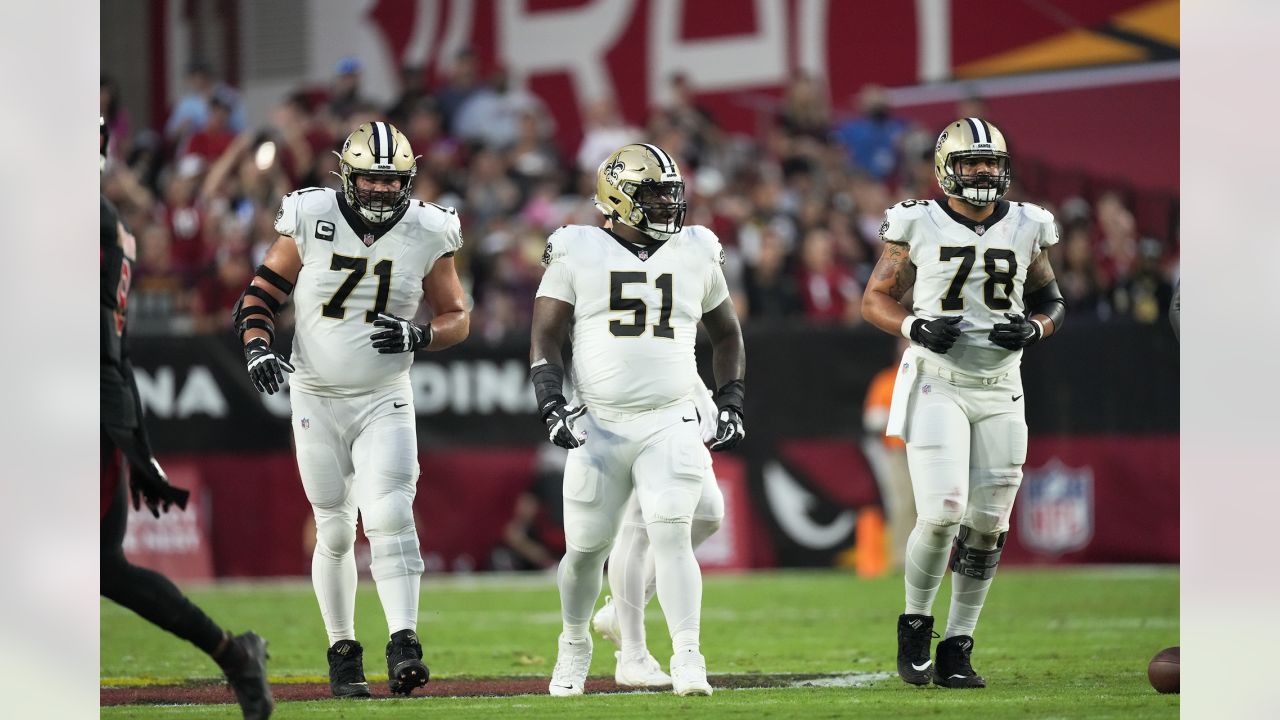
{"x": 895, "y": 265}
{"x": 1039, "y": 272}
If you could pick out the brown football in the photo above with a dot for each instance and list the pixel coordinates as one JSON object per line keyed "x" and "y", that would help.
{"x": 1163, "y": 671}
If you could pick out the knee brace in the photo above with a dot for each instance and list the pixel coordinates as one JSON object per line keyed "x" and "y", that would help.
{"x": 970, "y": 559}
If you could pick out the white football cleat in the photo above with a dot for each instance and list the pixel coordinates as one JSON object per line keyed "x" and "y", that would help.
{"x": 645, "y": 672}
{"x": 572, "y": 663}
{"x": 606, "y": 622}
{"x": 689, "y": 674}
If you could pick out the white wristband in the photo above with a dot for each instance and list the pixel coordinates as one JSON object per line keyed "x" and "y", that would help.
{"x": 1039, "y": 326}
{"x": 906, "y": 326}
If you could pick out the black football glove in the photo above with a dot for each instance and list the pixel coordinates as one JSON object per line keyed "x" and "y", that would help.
{"x": 729, "y": 424}
{"x": 266, "y": 366}
{"x": 937, "y": 335}
{"x": 1018, "y": 333}
{"x": 399, "y": 335}
{"x": 729, "y": 429}
{"x": 150, "y": 485}
{"x": 560, "y": 416}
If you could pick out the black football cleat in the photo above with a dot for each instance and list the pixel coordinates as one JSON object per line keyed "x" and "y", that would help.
{"x": 346, "y": 670}
{"x": 915, "y": 661}
{"x": 248, "y": 677}
{"x": 953, "y": 669}
{"x": 405, "y": 669}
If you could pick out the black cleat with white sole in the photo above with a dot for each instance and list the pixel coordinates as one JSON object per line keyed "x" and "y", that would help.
{"x": 405, "y": 669}
{"x": 952, "y": 669}
{"x": 346, "y": 670}
{"x": 915, "y": 661}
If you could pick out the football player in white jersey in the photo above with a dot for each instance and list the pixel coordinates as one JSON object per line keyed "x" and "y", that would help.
{"x": 358, "y": 264}
{"x": 631, "y": 296}
{"x": 983, "y": 290}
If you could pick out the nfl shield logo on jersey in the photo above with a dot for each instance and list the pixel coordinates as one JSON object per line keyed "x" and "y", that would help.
{"x": 1055, "y": 508}
{"x": 368, "y": 239}
{"x": 305, "y": 423}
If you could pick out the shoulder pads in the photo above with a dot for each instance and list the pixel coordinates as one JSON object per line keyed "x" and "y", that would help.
{"x": 706, "y": 243}
{"x": 300, "y": 204}
{"x": 899, "y": 219}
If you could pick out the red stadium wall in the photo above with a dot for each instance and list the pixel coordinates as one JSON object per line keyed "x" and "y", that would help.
{"x": 1084, "y": 499}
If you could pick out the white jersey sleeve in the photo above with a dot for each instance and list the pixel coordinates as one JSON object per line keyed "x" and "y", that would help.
{"x": 708, "y": 246}
{"x": 444, "y": 223}
{"x": 900, "y": 221}
{"x": 557, "y": 280}
{"x": 1046, "y": 227}
{"x": 302, "y": 217}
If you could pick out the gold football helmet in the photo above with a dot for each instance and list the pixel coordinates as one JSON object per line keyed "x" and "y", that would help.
{"x": 377, "y": 149}
{"x": 970, "y": 138}
{"x": 639, "y": 185}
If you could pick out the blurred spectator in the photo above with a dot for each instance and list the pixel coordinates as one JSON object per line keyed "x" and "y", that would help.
{"x": 461, "y": 82}
{"x": 798, "y": 212}
{"x": 603, "y": 132}
{"x": 344, "y": 92}
{"x": 693, "y": 121}
{"x": 772, "y": 291}
{"x": 117, "y": 119}
{"x": 191, "y": 112}
{"x": 413, "y": 90}
{"x": 1117, "y": 242}
{"x": 1145, "y": 293}
{"x": 491, "y": 115}
{"x": 828, "y": 292}
{"x": 804, "y": 107}
{"x": 210, "y": 141}
{"x": 219, "y": 290}
{"x": 184, "y": 214}
{"x": 871, "y": 140}
{"x": 1078, "y": 274}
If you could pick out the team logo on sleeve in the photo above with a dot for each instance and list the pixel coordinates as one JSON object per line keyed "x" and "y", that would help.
{"x": 280, "y": 213}
{"x": 721, "y": 256}
{"x": 546, "y": 254}
{"x": 884, "y": 228}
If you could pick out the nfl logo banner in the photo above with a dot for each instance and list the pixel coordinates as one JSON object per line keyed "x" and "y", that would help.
{"x": 1055, "y": 508}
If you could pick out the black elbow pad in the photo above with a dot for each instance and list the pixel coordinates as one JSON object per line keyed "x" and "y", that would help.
{"x": 1048, "y": 301}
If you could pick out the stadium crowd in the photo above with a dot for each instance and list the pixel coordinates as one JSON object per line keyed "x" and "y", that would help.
{"x": 798, "y": 208}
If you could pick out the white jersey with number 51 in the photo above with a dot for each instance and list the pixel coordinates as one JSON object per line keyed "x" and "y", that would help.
{"x": 635, "y": 311}
{"x": 972, "y": 269}
{"x": 348, "y": 276}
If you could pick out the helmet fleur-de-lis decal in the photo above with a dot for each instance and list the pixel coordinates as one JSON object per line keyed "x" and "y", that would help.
{"x": 613, "y": 170}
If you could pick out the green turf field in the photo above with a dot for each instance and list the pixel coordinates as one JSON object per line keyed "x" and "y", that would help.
{"x": 1052, "y": 644}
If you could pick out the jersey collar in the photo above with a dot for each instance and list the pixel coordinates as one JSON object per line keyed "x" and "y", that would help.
{"x": 978, "y": 227}
{"x": 644, "y": 252}
{"x": 365, "y": 230}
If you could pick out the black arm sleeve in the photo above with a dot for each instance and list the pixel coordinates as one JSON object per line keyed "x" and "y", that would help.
{"x": 1048, "y": 301}
{"x": 548, "y": 386}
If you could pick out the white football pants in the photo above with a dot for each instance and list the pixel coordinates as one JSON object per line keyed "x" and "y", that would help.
{"x": 360, "y": 454}
{"x": 660, "y": 455}
{"x": 966, "y": 444}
